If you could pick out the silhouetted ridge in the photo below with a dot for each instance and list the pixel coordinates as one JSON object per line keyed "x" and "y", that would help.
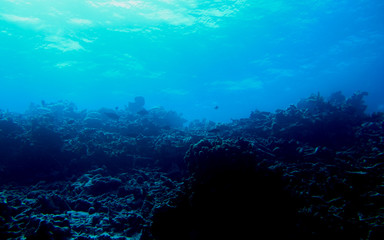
{"x": 311, "y": 171}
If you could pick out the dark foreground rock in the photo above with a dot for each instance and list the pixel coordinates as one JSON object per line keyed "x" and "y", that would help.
{"x": 231, "y": 195}
{"x": 312, "y": 171}
{"x": 238, "y": 190}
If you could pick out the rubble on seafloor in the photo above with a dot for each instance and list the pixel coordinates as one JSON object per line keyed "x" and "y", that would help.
{"x": 311, "y": 171}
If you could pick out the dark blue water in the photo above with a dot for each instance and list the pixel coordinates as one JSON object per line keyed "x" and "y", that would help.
{"x": 206, "y": 59}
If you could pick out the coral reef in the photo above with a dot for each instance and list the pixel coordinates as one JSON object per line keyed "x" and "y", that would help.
{"x": 311, "y": 171}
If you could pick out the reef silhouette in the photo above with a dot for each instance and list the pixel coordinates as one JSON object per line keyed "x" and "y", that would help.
{"x": 311, "y": 171}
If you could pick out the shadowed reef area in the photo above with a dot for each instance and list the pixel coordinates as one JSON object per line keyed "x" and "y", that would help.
{"x": 311, "y": 171}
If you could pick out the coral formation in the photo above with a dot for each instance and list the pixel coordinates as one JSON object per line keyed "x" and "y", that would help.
{"x": 311, "y": 171}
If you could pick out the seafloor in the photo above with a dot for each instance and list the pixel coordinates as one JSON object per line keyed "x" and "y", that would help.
{"x": 312, "y": 171}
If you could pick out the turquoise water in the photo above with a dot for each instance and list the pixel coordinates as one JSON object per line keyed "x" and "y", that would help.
{"x": 206, "y": 59}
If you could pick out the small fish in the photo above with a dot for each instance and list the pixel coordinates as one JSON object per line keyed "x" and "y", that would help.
{"x": 142, "y": 112}
{"x": 216, "y": 107}
{"x": 112, "y": 115}
{"x": 214, "y": 131}
{"x": 166, "y": 127}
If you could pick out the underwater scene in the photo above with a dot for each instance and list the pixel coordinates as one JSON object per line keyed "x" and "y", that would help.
{"x": 191, "y": 119}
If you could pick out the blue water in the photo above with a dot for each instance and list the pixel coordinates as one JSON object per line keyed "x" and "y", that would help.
{"x": 190, "y": 56}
